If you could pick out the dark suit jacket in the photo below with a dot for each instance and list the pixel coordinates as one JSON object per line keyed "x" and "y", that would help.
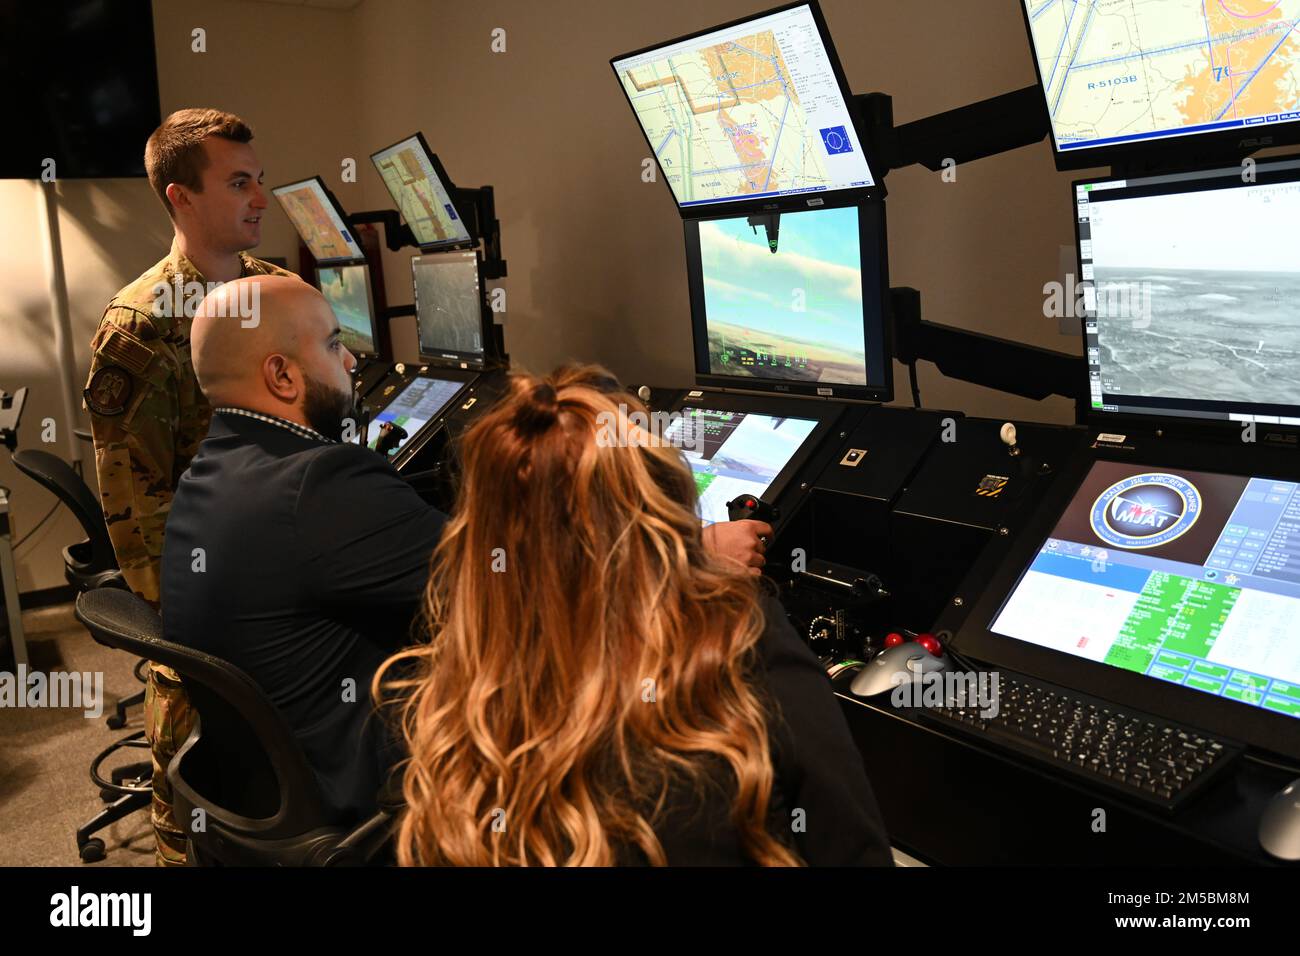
{"x": 316, "y": 558}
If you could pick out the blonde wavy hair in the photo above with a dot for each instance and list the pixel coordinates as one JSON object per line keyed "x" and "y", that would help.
{"x": 585, "y": 653}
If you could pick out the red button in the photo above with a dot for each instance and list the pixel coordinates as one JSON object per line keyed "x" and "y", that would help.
{"x": 930, "y": 643}
{"x": 893, "y": 639}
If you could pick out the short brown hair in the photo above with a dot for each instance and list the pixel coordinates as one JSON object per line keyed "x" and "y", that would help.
{"x": 174, "y": 153}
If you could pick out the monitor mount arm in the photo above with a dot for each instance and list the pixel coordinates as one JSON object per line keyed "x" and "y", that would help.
{"x": 481, "y": 208}
{"x": 939, "y": 143}
{"x": 1012, "y": 367}
{"x": 478, "y": 206}
{"x": 11, "y": 414}
{"x": 987, "y": 128}
{"x": 397, "y": 234}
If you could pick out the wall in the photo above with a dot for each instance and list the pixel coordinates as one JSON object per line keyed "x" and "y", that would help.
{"x": 263, "y": 61}
{"x": 597, "y": 267}
{"x": 596, "y": 258}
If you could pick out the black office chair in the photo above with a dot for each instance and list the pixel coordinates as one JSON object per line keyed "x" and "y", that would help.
{"x": 241, "y": 784}
{"x": 88, "y": 565}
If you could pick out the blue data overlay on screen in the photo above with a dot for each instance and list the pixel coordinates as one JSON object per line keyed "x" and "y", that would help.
{"x": 752, "y": 110}
{"x": 1128, "y": 72}
{"x": 735, "y": 453}
{"x": 419, "y": 403}
{"x": 347, "y": 290}
{"x": 793, "y": 314}
{"x": 1182, "y": 576}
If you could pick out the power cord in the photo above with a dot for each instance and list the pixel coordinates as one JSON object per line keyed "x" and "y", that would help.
{"x": 37, "y": 527}
{"x": 76, "y": 466}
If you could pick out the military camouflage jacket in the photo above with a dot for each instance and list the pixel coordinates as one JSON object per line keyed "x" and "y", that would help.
{"x": 146, "y": 411}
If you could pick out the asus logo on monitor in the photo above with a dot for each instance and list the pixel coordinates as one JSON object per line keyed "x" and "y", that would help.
{"x": 1255, "y": 142}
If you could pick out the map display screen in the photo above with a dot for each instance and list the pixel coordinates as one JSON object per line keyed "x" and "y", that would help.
{"x": 423, "y": 400}
{"x": 448, "y": 305}
{"x": 735, "y": 453}
{"x": 747, "y": 111}
{"x": 347, "y": 290}
{"x": 794, "y": 313}
{"x": 1187, "y": 577}
{"x": 1120, "y": 73}
{"x": 419, "y": 186}
{"x": 317, "y": 221}
{"x": 1191, "y": 293}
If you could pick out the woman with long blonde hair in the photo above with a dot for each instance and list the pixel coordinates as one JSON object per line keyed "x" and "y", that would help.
{"x": 597, "y": 687}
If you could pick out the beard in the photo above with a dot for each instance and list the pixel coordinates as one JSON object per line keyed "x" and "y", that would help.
{"x": 327, "y": 410}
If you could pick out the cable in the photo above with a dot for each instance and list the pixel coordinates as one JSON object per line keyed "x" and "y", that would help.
{"x": 916, "y": 391}
{"x": 49, "y": 514}
{"x": 1270, "y": 763}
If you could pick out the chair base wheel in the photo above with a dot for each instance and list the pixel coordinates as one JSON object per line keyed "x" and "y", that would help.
{"x": 92, "y": 851}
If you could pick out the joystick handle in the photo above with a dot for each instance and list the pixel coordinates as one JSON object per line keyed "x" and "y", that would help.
{"x": 1008, "y": 436}
{"x": 390, "y": 437}
{"x": 749, "y": 506}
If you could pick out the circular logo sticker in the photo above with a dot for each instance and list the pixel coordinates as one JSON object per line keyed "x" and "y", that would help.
{"x": 109, "y": 391}
{"x": 1145, "y": 511}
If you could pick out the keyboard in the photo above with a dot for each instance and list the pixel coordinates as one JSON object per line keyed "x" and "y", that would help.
{"x": 1143, "y": 757}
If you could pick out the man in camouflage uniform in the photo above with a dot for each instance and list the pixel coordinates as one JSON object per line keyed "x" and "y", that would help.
{"x": 146, "y": 411}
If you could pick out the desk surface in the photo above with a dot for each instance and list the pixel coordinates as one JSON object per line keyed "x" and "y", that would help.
{"x": 949, "y": 800}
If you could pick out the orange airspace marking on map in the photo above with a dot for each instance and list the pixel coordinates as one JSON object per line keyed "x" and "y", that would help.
{"x": 1244, "y": 32}
{"x": 755, "y": 68}
{"x": 749, "y": 152}
{"x": 748, "y": 70}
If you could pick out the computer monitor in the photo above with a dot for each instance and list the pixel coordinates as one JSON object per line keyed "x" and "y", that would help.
{"x": 733, "y": 453}
{"x": 756, "y": 109}
{"x": 1173, "y": 590}
{"x": 1191, "y": 294}
{"x": 423, "y": 193}
{"x": 319, "y": 220}
{"x": 792, "y": 302}
{"x": 1173, "y": 77}
{"x": 424, "y": 399}
{"x": 450, "y": 321}
{"x": 347, "y": 289}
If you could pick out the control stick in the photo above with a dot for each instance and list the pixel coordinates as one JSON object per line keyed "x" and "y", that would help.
{"x": 748, "y": 506}
{"x": 390, "y": 438}
{"x": 1008, "y": 436}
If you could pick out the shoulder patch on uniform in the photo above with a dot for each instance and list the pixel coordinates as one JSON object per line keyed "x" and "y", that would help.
{"x": 122, "y": 348}
{"x": 109, "y": 391}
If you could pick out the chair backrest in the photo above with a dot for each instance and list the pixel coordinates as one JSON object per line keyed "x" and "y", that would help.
{"x": 242, "y": 764}
{"x": 57, "y": 476}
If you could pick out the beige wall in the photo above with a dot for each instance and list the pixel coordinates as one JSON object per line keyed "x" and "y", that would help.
{"x": 261, "y": 61}
{"x": 596, "y": 256}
